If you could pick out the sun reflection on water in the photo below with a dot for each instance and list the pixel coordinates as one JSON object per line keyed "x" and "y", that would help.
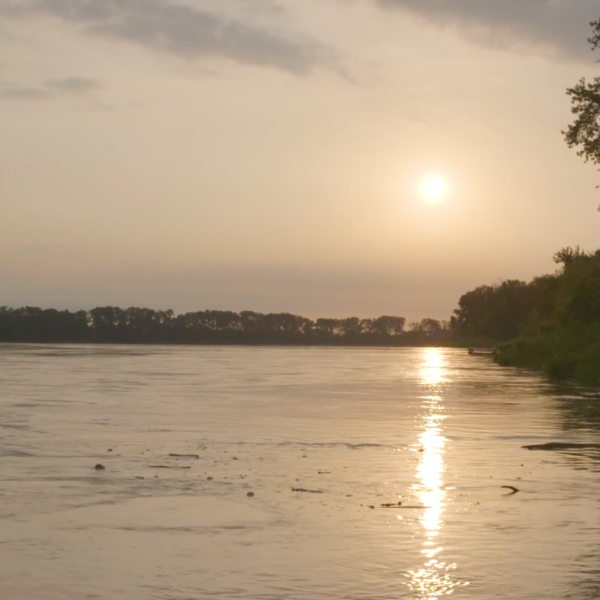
{"x": 434, "y": 578}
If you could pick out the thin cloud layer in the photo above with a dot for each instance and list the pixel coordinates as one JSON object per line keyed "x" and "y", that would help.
{"x": 178, "y": 29}
{"x": 48, "y": 90}
{"x": 559, "y": 27}
{"x": 73, "y": 85}
{"x": 17, "y": 91}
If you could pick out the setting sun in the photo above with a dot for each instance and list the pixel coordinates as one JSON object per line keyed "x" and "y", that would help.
{"x": 433, "y": 188}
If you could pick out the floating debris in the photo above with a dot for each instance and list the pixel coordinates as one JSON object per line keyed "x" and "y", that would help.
{"x": 562, "y": 446}
{"x": 305, "y": 491}
{"x": 250, "y": 494}
{"x": 510, "y": 487}
{"x": 399, "y": 505}
{"x": 166, "y": 467}
{"x": 185, "y": 455}
{"x": 100, "y": 467}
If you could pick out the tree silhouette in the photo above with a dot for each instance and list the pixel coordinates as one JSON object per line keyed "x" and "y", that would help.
{"x": 114, "y": 325}
{"x": 584, "y": 132}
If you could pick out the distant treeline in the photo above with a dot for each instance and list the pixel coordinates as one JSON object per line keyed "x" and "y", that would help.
{"x": 550, "y": 323}
{"x": 113, "y": 325}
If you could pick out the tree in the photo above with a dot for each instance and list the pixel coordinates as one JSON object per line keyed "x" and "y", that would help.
{"x": 497, "y": 312}
{"x": 578, "y": 295}
{"x": 584, "y": 132}
{"x": 568, "y": 255}
{"x": 387, "y": 326}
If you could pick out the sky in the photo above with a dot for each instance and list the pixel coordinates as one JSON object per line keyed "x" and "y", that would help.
{"x": 270, "y": 155}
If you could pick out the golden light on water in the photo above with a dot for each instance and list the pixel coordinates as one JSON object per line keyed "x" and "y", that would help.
{"x": 433, "y": 368}
{"x": 434, "y": 578}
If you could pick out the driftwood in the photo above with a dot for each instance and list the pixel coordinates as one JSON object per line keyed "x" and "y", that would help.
{"x": 562, "y": 446}
{"x": 185, "y": 455}
{"x": 510, "y": 487}
{"x": 166, "y": 467}
{"x": 306, "y": 491}
{"x": 398, "y": 506}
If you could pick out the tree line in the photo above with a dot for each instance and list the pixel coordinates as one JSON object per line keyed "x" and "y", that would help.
{"x": 114, "y": 325}
{"x": 551, "y": 323}
{"x": 502, "y": 312}
{"x": 554, "y": 320}
{"x": 499, "y": 313}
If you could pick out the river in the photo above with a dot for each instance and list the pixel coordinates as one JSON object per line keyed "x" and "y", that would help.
{"x": 435, "y": 429}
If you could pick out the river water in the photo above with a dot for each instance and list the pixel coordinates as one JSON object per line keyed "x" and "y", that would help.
{"x": 434, "y": 429}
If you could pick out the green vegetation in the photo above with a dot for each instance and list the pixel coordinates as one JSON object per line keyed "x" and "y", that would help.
{"x": 113, "y": 325}
{"x": 555, "y": 319}
{"x": 551, "y": 323}
{"x": 584, "y": 132}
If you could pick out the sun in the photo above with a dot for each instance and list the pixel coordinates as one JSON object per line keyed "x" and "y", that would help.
{"x": 434, "y": 187}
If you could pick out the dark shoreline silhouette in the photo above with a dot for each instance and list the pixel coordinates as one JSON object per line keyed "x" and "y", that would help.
{"x": 551, "y": 323}
{"x": 114, "y": 325}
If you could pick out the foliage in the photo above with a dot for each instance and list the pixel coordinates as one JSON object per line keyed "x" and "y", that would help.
{"x": 567, "y": 255}
{"x": 584, "y": 132}
{"x": 110, "y": 324}
{"x": 561, "y": 352}
{"x": 502, "y": 311}
{"x": 562, "y": 333}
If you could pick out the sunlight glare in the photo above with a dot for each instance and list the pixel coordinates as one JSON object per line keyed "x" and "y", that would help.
{"x": 434, "y": 187}
{"x": 432, "y": 371}
{"x": 435, "y": 578}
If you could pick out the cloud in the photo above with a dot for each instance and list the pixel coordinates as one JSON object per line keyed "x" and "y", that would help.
{"x": 556, "y": 27}
{"x": 179, "y": 29}
{"x": 48, "y": 90}
{"x": 73, "y": 85}
{"x": 17, "y": 91}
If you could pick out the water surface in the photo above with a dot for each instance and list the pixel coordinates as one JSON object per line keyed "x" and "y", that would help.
{"x": 434, "y": 429}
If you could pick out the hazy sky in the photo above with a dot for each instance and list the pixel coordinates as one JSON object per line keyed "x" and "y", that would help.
{"x": 269, "y": 154}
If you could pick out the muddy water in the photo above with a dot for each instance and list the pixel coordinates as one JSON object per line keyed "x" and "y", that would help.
{"x": 434, "y": 429}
